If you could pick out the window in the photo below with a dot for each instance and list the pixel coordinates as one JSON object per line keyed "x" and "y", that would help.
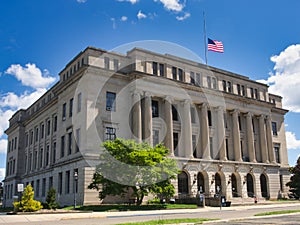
{"x": 277, "y": 152}
{"x": 106, "y": 63}
{"x": 48, "y": 127}
{"x": 194, "y": 144}
{"x": 55, "y": 124}
{"x": 155, "y": 137}
{"x": 198, "y": 79}
{"x": 59, "y": 183}
{"x": 193, "y": 117}
{"x": 180, "y": 74}
{"x": 37, "y": 188}
{"x": 64, "y": 111}
{"x": 70, "y": 143}
{"x": 77, "y": 140}
{"x": 229, "y": 86}
{"x": 251, "y": 92}
{"x": 281, "y": 182}
{"x": 110, "y": 101}
{"x": 243, "y": 90}
{"x": 16, "y": 141}
{"x": 224, "y": 85}
{"x": 255, "y": 93}
{"x": 227, "y": 147}
{"x": 192, "y": 77}
{"x": 36, "y": 134}
{"x": 71, "y": 108}
{"x": 238, "y": 89}
{"x": 12, "y": 145}
{"x": 47, "y": 155}
{"x": 116, "y": 64}
{"x": 240, "y": 122}
{"x": 35, "y": 159}
{"x": 50, "y": 185}
{"x": 62, "y": 147}
{"x": 214, "y": 83}
{"x": 26, "y": 141}
{"x": 155, "y": 68}
{"x": 67, "y": 184}
{"x": 76, "y": 182}
{"x": 54, "y": 152}
{"x": 31, "y": 137}
{"x": 79, "y": 102}
{"x": 274, "y": 128}
{"x": 174, "y": 113}
{"x": 208, "y": 82}
{"x": 183, "y": 185}
{"x": 110, "y": 133}
{"x": 209, "y": 116}
{"x": 42, "y": 131}
{"x": 174, "y": 73}
{"x": 162, "y": 70}
{"x": 155, "y": 112}
{"x": 41, "y": 158}
{"x": 44, "y": 187}
{"x": 175, "y": 143}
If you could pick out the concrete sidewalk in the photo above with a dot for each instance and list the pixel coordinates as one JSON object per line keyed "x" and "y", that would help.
{"x": 27, "y": 218}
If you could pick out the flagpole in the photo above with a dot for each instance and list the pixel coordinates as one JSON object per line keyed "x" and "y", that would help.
{"x": 205, "y": 39}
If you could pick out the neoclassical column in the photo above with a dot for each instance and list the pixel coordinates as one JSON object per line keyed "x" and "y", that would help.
{"x": 148, "y": 118}
{"x": 186, "y": 126}
{"x": 136, "y": 116}
{"x": 263, "y": 139}
{"x": 236, "y": 136}
{"x": 204, "y": 132}
{"x": 270, "y": 140}
{"x": 250, "y": 137}
{"x": 168, "y": 141}
{"x": 221, "y": 133}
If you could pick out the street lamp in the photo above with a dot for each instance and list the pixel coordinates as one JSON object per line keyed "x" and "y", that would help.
{"x": 75, "y": 182}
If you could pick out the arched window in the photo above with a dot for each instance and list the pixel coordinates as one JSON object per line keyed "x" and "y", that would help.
{"x": 264, "y": 186}
{"x": 250, "y": 187}
{"x": 183, "y": 184}
{"x": 218, "y": 186}
{"x": 200, "y": 183}
{"x": 234, "y": 186}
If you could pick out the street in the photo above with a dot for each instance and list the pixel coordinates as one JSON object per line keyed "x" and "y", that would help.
{"x": 108, "y": 218}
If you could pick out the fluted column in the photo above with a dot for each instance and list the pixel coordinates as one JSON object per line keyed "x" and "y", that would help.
{"x": 187, "y": 129}
{"x": 236, "y": 136}
{"x": 204, "y": 132}
{"x": 148, "y": 118}
{"x": 221, "y": 133}
{"x": 270, "y": 140}
{"x": 136, "y": 116}
{"x": 169, "y": 125}
{"x": 263, "y": 139}
{"x": 250, "y": 137}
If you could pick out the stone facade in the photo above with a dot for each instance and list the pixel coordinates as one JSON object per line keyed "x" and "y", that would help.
{"x": 225, "y": 131}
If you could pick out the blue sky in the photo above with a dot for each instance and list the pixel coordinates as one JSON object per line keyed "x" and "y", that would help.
{"x": 38, "y": 38}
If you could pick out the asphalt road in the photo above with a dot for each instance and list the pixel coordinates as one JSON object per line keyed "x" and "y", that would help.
{"x": 232, "y": 214}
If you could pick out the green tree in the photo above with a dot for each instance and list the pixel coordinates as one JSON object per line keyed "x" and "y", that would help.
{"x": 27, "y": 203}
{"x": 51, "y": 199}
{"x": 137, "y": 168}
{"x": 294, "y": 183}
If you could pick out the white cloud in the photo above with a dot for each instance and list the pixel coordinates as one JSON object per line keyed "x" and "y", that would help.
{"x": 141, "y": 15}
{"x": 30, "y": 75}
{"x": 3, "y": 145}
{"x": 13, "y": 101}
{"x": 131, "y": 1}
{"x": 185, "y": 16}
{"x": 292, "y": 142}
{"x": 124, "y": 18}
{"x": 172, "y": 5}
{"x": 285, "y": 79}
{"x": 4, "y": 117}
{"x": 2, "y": 174}
{"x": 81, "y": 1}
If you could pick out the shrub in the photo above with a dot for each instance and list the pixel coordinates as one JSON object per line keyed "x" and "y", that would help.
{"x": 27, "y": 203}
{"x": 51, "y": 200}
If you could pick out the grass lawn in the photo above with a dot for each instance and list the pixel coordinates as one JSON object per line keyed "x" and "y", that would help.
{"x": 277, "y": 212}
{"x": 170, "y": 221}
{"x": 103, "y": 208}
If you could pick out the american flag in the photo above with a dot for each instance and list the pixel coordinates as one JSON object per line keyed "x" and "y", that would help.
{"x": 215, "y": 46}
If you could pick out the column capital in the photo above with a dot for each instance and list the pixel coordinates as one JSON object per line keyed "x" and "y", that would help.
{"x": 262, "y": 116}
{"x": 204, "y": 105}
{"x": 220, "y": 108}
{"x": 169, "y": 99}
{"x": 249, "y": 114}
{"x": 148, "y": 94}
{"x": 268, "y": 117}
{"x": 235, "y": 111}
{"x": 136, "y": 92}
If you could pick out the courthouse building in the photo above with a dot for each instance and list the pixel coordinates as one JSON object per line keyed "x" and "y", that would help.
{"x": 225, "y": 130}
